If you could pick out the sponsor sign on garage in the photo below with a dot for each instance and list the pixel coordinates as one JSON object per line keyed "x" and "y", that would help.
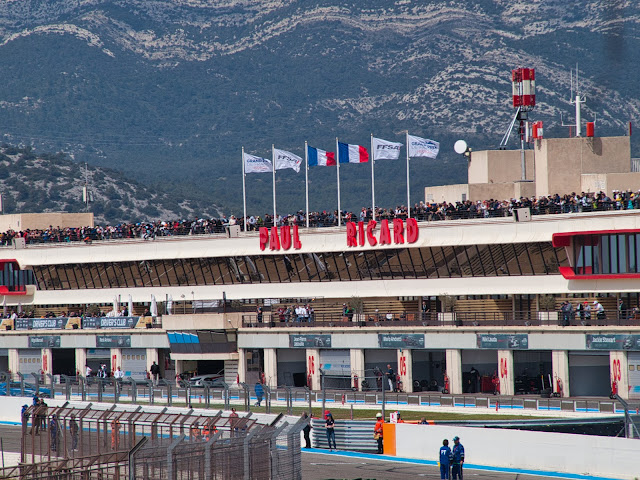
{"x": 44, "y": 341}
{"x": 310, "y": 341}
{"x": 401, "y": 340}
{"x": 113, "y": 341}
{"x": 612, "y": 342}
{"x": 502, "y": 341}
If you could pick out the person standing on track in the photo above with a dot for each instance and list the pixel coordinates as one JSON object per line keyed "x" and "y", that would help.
{"x": 377, "y": 431}
{"x": 445, "y": 459}
{"x": 331, "y": 434}
{"x": 458, "y": 459}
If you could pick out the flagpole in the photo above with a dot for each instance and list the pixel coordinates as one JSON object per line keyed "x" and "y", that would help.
{"x": 244, "y": 193}
{"x": 408, "y": 193}
{"x": 373, "y": 187}
{"x": 306, "y": 177}
{"x": 273, "y": 165}
{"x": 338, "y": 174}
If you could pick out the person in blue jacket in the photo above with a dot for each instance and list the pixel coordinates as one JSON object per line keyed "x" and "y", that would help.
{"x": 458, "y": 459}
{"x": 445, "y": 459}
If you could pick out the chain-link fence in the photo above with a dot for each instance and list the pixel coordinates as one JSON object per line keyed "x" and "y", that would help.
{"x": 86, "y": 443}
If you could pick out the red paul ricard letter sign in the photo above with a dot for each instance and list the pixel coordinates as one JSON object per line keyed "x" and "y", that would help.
{"x": 359, "y": 235}
{"x": 282, "y": 239}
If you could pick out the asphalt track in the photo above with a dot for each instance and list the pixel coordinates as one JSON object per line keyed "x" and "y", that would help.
{"x": 323, "y": 465}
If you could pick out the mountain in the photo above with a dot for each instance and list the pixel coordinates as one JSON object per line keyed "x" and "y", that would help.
{"x": 31, "y": 182}
{"x": 168, "y": 91}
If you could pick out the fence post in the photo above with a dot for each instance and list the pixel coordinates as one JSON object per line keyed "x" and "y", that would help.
{"x": 169, "y": 393}
{"x": 151, "y": 392}
{"x": 308, "y": 391}
{"x": 134, "y": 390}
{"x": 36, "y": 377}
{"x": 247, "y": 460}
{"x": 324, "y": 392}
{"x": 383, "y": 397}
{"x": 67, "y": 386}
{"x": 226, "y": 399}
{"x": 171, "y": 474}
{"x": 82, "y": 383}
{"x": 132, "y": 460}
{"x": 51, "y": 385}
{"x": 207, "y": 392}
{"x": 100, "y": 387}
{"x": 247, "y": 400}
{"x": 267, "y": 398}
{"x": 207, "y": 454}
{"x": 289, "y": 399}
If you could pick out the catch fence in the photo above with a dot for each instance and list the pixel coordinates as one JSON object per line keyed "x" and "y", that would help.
{"x": 110, "y": 444}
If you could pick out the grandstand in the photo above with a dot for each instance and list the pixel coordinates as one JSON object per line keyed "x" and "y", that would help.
{"x": 481, "y": 284}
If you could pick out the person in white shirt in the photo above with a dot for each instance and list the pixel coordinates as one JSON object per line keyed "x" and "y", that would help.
{"x": 88, "y": 371}
{"x": 118, "y": 375}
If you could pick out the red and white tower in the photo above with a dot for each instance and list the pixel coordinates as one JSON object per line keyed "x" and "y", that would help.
{"x": 524, "y": 100}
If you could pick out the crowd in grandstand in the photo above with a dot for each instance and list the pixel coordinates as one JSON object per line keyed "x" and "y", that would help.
{"x": 423, "y": 211}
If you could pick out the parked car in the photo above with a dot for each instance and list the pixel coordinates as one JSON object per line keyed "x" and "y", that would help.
{"x": 215, "y": 379}
{"x": 29, "y": 390}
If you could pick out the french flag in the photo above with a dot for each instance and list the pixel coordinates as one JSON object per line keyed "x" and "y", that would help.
{"x": 320, "y": 157}
{"x": 352, "y": 153}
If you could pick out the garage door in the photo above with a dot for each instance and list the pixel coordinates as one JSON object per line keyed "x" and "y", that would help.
{"x": 30, "y": 361}
{"x": 589, "y": 374}
{"x": 634, "y": 374}
{"x": 336, "y": 362}
{"x": 134, "y": 363}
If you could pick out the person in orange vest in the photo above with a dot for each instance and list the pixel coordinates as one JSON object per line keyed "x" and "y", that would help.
{"x": 377, "y": 431}
{"x": 207, "y": 431}
{"x": 115, "y": 434}
{"x": 195, "y": 432}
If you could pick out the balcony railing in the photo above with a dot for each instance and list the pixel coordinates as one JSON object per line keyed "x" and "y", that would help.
{"x": 441, "y": 319}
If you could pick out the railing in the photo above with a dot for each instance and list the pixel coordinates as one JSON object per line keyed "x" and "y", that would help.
{"x": 440, "y": 319}
{"x": 147, "y": 231}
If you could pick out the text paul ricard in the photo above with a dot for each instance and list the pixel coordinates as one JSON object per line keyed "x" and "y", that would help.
{"x": 358, "y": 234}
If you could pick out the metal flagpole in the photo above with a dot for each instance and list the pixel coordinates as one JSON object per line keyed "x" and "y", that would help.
{"x": 338, "y": 174}
{"x": 273, "y": 160}
{"x": 244, "y": 193}
{"x": 373, "y": 187}
{"x": 306, "y": 177}
{"x": 408, "y": 193}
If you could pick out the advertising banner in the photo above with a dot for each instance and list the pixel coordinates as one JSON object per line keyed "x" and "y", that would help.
{"x": 502, "y": 341}
{"x": 612, "y": 342}
{"x": 310, "y": 341}
{"x": 113, "y": 341}
{"x": 110, "y": 322}
{"x": 40, "y": 323}
{"x": 44, "y": 341}
{"x": 401, "y": 340}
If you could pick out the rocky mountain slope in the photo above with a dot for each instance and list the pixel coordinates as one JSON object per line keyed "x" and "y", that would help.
{"x": 169, "y": 91}
{"x": 31, "y": 182}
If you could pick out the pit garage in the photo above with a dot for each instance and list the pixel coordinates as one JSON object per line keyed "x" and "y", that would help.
{"x": 97, "y": 357}
{"x": 292, "y": 367}
{"x": 589, "y": 374}
{"x": 30, "y": 361}
{"x": 486, "y": 363}
{"x": 63, "y": 362}
{"x": 134, "y": 363}
{"x": 336, "y": 365}
{"x": 4, "y": 359}
{"x": 375, "y": 365}
{"x": 532, "y": 371}
{"x": 633, "y": 359}
{"x": 428, "y": 370}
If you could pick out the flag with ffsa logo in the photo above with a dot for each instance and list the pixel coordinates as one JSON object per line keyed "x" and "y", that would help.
{"x": 284, "y": 159}
{"x": 385, "y": 150}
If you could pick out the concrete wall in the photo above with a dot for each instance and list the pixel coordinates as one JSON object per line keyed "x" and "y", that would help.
{"x": 536, "y": 451}
{"x": 446, "y": 193}
{"x": 560, "y": 162}
{"x": 23, "y": 221}
{"x": 499, "y": 166}
{"x": 607, "y": 182}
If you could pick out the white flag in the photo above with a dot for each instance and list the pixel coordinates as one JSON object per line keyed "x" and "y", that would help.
{"x": 286, "y": 159}
{"x": 385, "y": 150}
{"x": 423, "y": 147}
{"x": 253, "y": 164}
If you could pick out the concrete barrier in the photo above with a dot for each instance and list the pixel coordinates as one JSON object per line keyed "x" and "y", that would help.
{"x": 522, "y": 450}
